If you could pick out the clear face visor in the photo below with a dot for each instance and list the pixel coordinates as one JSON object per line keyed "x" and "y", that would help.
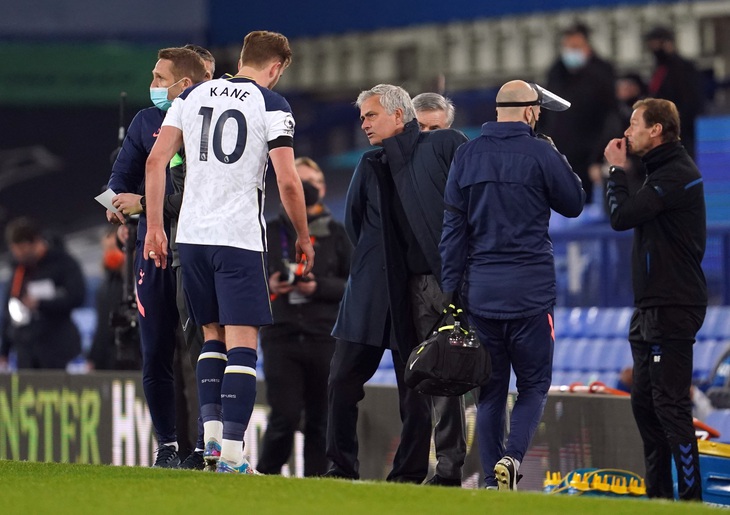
{"x": 545, "y": 99}
{"x": 549, "y": 100}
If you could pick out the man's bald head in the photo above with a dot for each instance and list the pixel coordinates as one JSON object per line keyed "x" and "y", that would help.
{"x": 516, "y": 91}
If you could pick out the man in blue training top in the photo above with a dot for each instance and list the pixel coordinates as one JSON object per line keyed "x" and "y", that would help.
{"x": 497, "y": 254}
{"x": 176, "y": 70}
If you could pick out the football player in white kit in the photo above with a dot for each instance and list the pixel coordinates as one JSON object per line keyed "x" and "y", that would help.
{"x": 229, "y": 127}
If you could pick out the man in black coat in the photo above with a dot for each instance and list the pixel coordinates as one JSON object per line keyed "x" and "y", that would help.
{"x": 46, "y": 285}
{"x": 676, "y": 79}
{"x": 670, "y": 290}
{"x": 393, "y": 216}
{"x": 298, "y": 347}
{"x": 587, "y": 81}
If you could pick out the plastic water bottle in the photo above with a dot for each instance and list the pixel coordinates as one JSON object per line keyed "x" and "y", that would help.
{"x": 456, "y": 337}
{"x": 471, "y": 339}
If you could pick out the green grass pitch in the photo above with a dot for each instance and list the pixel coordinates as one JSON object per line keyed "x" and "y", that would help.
{"x": 32, "y": 488}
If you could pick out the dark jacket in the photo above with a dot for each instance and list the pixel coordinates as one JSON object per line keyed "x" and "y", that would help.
{"x": 668, "y": 218}
{"x": 316, "y": 317}
{"x": 677, "y": 79}
{"x": 495, "y": 240}
{"x": 128, "y": 171}
{"x": 411, "y": 169}
{"x": 580, "y": 132}
{"x": 51, "y": 338}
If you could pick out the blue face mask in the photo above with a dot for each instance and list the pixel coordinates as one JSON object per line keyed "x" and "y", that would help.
{"x": 573, "y": 59}
{"x": 159, "y": 97}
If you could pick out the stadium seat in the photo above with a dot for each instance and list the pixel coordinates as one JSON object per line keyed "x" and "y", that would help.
{"x": 610, "y": 355}
{"x": 592, "y": 356}
{"x": 623, "y": 320}
{"x": 618, "y": 355}
{"x": 562, "y": 349}
{"x": 560, "y": 318}
{"x": 720, "y": 420}
{"x": 712, "y": 326}
{"x": 575, "y": 322}
{"x": 601, "y": 325}
{"x": 705, "y": 355}
{"x": 577, "y": 358}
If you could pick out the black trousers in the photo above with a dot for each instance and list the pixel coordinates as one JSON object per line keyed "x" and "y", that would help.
{"x": 353, "y": 364}
{"x": 661, "y": 344}
{"x": 449, "y": 436}
{"x": 189, "y": 423}
{"x": 449, "y": 432}
{"x": 296, "y": 373}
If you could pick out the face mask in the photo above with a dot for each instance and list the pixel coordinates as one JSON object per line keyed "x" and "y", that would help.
{"x": 660, "y": 55}
{"x": 573, "y": 59}
{"x": 113, "y": 259}
{"x": 159, "y": 97}
{"x": 311, "y": 194}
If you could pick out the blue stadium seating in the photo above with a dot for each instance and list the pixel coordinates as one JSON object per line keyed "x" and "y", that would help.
{"x": 705, "y": 356}
{"x": 720, "y": 420}
{"x": 591, "y": 345}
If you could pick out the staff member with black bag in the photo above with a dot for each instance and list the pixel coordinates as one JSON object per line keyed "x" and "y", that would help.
{"x": 496, "y": 252}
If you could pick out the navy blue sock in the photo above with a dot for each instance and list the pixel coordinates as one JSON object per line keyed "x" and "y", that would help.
{"x": 211, "y": 366}
{"x": 238, "y": 392}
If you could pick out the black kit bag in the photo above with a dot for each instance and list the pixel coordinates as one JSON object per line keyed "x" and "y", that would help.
{"x": 435, "y": 367}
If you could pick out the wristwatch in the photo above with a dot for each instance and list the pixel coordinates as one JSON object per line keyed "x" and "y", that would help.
{"x": 611, "y": 169}
{"x": 143, "y": 203}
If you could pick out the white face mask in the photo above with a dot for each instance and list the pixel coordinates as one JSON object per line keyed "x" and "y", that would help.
{"x": 573, "y": 58}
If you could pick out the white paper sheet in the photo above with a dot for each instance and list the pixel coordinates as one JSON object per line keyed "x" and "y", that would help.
{"x": 105, "y": 199}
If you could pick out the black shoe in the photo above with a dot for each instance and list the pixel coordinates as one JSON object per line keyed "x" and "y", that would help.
{"x": 167, "y": 457}
{"x": 437, "y": 480}
{"x": 194, "y": 461}
{"x": 336, "y": 474}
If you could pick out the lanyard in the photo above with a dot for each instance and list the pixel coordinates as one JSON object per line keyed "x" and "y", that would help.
{"x": 17, "y": 281}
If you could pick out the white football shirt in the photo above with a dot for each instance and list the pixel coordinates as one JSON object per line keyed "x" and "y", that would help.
{"x": 228, "y": 128}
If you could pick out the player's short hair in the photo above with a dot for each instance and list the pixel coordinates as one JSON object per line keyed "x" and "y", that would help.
{"x": 391, "y": 98}
{"x": 260, "y": 47}
{"x": 663, "y": 112}
{"x": 204, "y": 54}
{"x": 185, "y": 63}
{"x": 22, "y": 230}
{"x": 434, "y": 102}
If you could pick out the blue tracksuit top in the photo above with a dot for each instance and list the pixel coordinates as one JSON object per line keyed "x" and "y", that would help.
{"x": 128, "y": 172}
{"x": 495, "y": 243}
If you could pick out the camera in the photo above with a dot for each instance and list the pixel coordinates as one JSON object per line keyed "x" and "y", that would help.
{"x": 291, "y": 273}
{"x": 126, "y": 333}
{"x": 123, "y": 317}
